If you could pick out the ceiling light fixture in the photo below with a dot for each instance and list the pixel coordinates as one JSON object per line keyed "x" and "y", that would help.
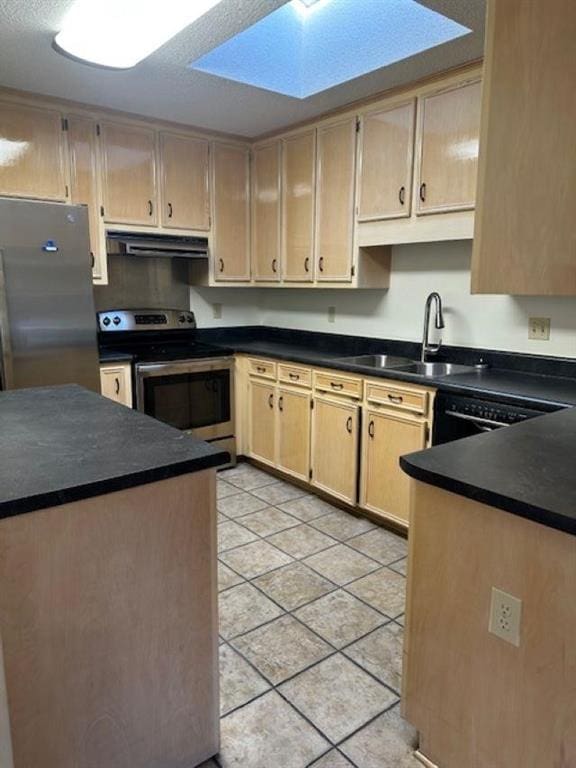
{"x": 120, "y": 33}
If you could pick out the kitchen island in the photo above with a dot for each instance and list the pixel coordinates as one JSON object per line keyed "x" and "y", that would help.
{"x": 108, "y": 617}
{"x": 494, "y": 511}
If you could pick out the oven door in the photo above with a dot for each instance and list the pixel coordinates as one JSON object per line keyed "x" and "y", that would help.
{"x": 195, "y": 396}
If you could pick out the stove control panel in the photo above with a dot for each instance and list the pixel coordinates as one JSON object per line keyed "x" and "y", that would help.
{"x": 145, "y": 320}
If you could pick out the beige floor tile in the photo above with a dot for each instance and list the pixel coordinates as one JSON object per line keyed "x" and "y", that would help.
{"x": 293, "y": 585}
{"x": 339, "y": 618}
{"x": 240, "y": 504}
{"x": 337, "y": 696}
{"x": 269, "y": 733}
{"x": 381, "y": 545}
{"x": 227, "y": 578}
{"x": 341, "y": 564}
{"x": 387, "y": 742}
{"x": 307, "y": 508}
{"x": 268, "y": 521}
{"x": 247, "y": 477}
{"x": 385, "y": 590}
{"x": 278, "y": 492}
{"x": 231, "y": 534}
{"x": 380, "y": 653}
{"x": 243, "y": 608}
{"x": 224, "y": 489}
{"x": 342, "y": 525}
{"x": 282, "y": 648}
{"x": 400, "y": 620}
{"x": 255, "y": 558}
{"x": 239, "y": 682}
{"x": 401, "y": 566}
{"x": 332, "y": 759}
{"x": 301, "y": 541}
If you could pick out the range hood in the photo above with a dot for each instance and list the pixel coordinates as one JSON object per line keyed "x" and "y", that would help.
{"x": 157, "y": 246}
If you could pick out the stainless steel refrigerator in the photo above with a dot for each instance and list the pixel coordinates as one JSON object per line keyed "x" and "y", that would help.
{"x": 47, "y": 317}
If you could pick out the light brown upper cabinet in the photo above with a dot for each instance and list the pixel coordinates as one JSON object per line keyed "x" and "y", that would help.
{"x": 266, "y": 212}
{"x": 33, "y": 153}
{"x": 525, "y": 234}
{"x": 231, "y": 184}
{"x": 448, "y": 156}
{"x": 82, "y": 144}
{"x": 185, "y": 182}
{"x": 298, "y": 197}
{"x": 336, "y": 172}
{"x": 129, "y": 174}
{"x": 386, "y": 163}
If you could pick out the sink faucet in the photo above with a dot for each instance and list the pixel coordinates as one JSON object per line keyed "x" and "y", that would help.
{"x": 438, "y": 323}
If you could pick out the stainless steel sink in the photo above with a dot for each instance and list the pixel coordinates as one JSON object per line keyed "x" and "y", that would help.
{"x": 435, "y": 369}
{"x": 378, "y": 361}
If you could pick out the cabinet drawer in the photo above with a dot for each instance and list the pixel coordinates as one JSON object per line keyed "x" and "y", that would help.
{"x": 338, "y": 385}
{"x": 264, "y": 368}
{"x": 413, "y": 400}
{"x": 293, "y": 374}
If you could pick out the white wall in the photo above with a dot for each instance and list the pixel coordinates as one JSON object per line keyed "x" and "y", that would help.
{"x": 495, "y": 322}
{"x": 240, "y": 306}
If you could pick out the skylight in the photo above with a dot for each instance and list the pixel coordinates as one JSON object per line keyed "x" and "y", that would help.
{"x": 308, "y": 46}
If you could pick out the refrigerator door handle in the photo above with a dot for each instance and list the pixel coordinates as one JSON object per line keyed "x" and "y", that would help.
{"x": 6, "y": 366}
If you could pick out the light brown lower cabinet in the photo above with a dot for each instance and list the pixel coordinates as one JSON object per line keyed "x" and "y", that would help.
{"x": 116, "y": 382}
{"x": 293, "y": 454}
{"x": 384, "y": 488}
{"x": 335, "y": 447}
{"x": 262, "y": 421}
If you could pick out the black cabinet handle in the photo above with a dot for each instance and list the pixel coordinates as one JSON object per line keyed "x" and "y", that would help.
{"x": 271, "y": 400}
{"x": 117, "y": 385}
{"x": 93, "y": 259}
{"x": 321, "y": 263}
{"x": 371, "y": 429}
{"x": 274, "y": 265}
{"x": 169, "y": 210}
{"x": 294, "y": 376}
{"x": 281, "y": 403}
{"x": 150, "y": 208}
{"x": 260, "y": 369}
{"x": 402, "y": 195}
{"x": 423, "y": 192}
{"x": 349, "y": 424}
{"x": 306, "y": 264}
{"x": 395, "y": 398}
{"x": 336, "y": 385}
{"x": 221, "y": 264}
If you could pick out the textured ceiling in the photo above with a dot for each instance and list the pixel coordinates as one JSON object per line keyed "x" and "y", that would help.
{"x": 162, "y": 86}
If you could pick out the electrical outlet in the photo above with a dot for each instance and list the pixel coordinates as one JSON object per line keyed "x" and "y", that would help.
{"x": 539, "y": 328}
{"x": 505, "y": 614}
{"x": 216, "y": 311}
{"x": 331, "y": 314}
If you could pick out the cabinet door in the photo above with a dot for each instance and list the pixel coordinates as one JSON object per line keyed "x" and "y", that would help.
{"x": 129, "y": 174}
{"x": 384, "y": 486}
{"x": 231, "y": 242}
{"x": 386, "y": 162}
{"x": 450, "y": 129}
{"x": 82, "y": 145}
{"x": 298, "y": 195}
{"x": 185, "y": 182}
{"x": 335, "y": 200}
{"x": 32, "y": 153}
{"x": 335, "y": 447}
{"x": 262, "y": 421}
{"x": 266, "y": 212}
{"x": 116, "y": 383}
{"x": 294, "y": 432}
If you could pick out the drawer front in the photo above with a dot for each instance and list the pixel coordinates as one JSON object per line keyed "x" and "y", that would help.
{"x": 293, "y": 374}
{"x": 338, "y": 385}
{"x": 263, "y": 368}
{"x": 413, "y": 400}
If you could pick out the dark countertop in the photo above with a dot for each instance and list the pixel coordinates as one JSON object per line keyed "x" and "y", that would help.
{"x": 526, "y": 469}
{"x": 62, "y": 444}
{"x": 115, "y": 356}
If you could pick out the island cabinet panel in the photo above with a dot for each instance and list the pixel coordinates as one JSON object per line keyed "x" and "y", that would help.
{"x": 335, "y": 447}
{"x": 84, "y": 189}
{"x": 33, "y": 161}
{"x": 266, "y": 188}
{"x": 231, "y": 183}
{"x": 294, "y": 432}
{"x": 108, "y": 620}
{"x": 262, "y": 421}
{"x": 129, "y": 183}
{"x": 336, "y": 171}
{"x": 448, "y": 157}
{"x": 525, "y": 238}
{"x": 386, "y": 162}
{"x": 116, "y": 383}
{"x": 298, "y": 199}
{"x": 385, "y": 489}
{"x": 185, "y": 182}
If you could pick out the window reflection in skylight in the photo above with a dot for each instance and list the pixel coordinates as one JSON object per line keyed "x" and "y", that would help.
{"x": 303, "y": 48}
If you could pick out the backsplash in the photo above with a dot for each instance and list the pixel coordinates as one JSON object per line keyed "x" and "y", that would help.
{"x": 144, "y": 283}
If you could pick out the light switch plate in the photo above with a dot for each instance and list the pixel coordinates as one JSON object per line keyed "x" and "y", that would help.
{"x": 216, "y": 311}
{"x": 505, "y": 616}
{"x": 539, "y": 328}
{"x": 331, "y": 314}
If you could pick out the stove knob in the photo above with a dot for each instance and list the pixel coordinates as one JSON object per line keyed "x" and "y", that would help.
{"x": 182, "y": 319}
{"x": 117, "y": 320}
{"x": 190, "y": 319}
{"x": 106, "y": 321}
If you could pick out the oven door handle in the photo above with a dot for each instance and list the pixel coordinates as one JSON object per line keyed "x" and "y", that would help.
{"x": 198, "y": 365}
{"x": 484, "y": 424}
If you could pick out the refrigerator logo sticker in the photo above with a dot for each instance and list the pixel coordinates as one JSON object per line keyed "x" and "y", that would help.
{"x": 50, "y": 247}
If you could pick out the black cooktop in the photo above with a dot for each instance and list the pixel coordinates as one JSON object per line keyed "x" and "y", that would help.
{"x": 150, "y": 347}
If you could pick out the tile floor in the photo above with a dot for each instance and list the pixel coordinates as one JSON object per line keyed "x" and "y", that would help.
{"x": 311, "y": 623}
